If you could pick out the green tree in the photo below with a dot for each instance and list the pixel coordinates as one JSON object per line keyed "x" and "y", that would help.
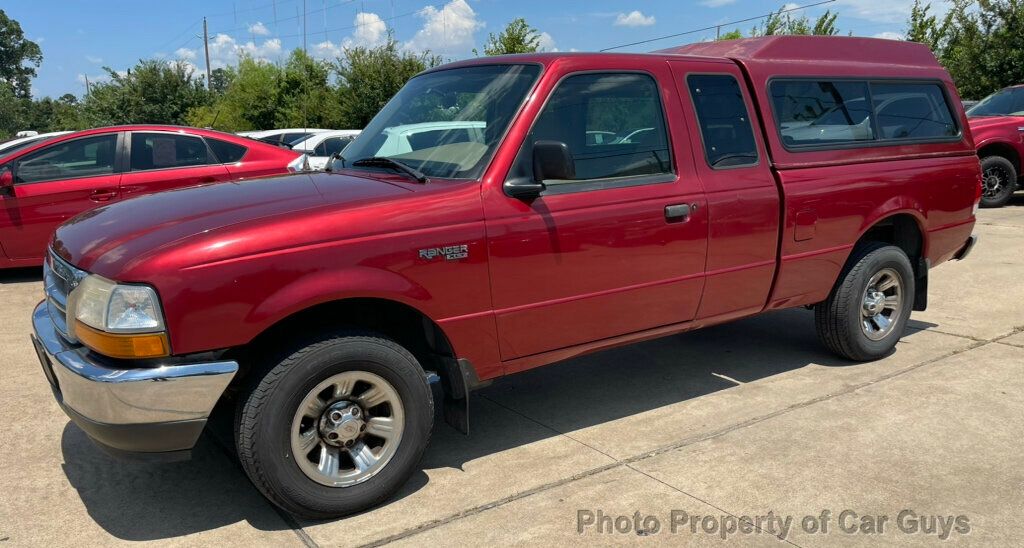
{"x": 734, "y": 34}
{"x": 306, "y": 98}
{"x": 19, "y": 57}
{"x": 979, "y": 43}
{"x": 369, "y": 77}
{"x": 782, "y": 22}
{"x": 250, "y": 101}
{"x": 153, "y": 92}
{"x": 518, "y": 37}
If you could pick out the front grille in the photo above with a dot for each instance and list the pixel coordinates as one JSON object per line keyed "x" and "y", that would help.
{"x": 59, "y": 280}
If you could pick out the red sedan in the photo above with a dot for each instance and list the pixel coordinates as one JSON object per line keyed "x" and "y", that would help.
{"x": 47, "y": 183}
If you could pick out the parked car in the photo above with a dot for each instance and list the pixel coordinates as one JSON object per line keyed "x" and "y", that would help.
{"x": 319, "y": 307}
{"x": 997, "y": 123}
{"x": 321, "y": 146}
{"x": 14, "y": 145}
{"x": 50, "y": 181}
{"x": 282, "y": 137}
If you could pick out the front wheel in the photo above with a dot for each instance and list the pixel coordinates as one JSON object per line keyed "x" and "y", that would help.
{"x": 335, "y": 426}
{"x": 868, "y": 309}
{"x": 999, "y": 181}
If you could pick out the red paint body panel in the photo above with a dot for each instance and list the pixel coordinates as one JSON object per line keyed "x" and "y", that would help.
{"x": 1005, "y": 132}
{"x": 29, "y": 214}
{"x": 563, "y": 274}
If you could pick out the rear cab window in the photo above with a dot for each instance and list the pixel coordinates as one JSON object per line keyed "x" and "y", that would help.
{"x": 226, "y": 153}
{"x": 724, "y": 121}
{"x": 822, "y": 114}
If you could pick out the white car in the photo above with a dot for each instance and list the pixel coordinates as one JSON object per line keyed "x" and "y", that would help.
{"x": 407, "y": 138}
{"x": 8, "y": 147}
{"x": 320, "y": 146}
{"x": 282, "y": 137}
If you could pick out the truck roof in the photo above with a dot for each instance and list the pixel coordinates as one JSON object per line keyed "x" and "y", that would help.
{"x": 833, "y": 50}
{"x": 834, "y": 54}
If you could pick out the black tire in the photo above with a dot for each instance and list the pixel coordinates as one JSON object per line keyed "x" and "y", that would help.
{"x": 1000, "y": 181}
{"x": 263, "y": 422}
{"x": 839, "y": 318}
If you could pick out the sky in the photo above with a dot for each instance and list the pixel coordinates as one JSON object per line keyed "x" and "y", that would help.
{"x": 78, "y": 39}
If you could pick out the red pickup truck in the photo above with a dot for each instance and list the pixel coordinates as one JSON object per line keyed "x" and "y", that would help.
{"x": 997, "y": 123}
{"x": 598, "y": 199}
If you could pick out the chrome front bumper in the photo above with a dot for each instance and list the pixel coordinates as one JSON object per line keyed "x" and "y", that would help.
{"x": 129, "y": 410}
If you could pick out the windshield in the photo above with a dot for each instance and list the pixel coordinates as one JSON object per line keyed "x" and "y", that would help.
{"x": 448, "y": 123}
{"x": 1007, "y": 102}
{"x": 6, "y": 149}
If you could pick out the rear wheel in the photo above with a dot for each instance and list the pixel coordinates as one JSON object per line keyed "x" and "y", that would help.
{"x": 335, "y": 426}
{"x": 999, "y": 181}
{"x": 868, "y": 309}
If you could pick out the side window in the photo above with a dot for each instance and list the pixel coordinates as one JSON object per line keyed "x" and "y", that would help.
{"x": 814, "y": 113}
{"x": 1018, "y": 103}
{"x": 85, "y": 157}
{"x": 724, "y": 120}
{"x": 227, "y": 153}
{"x": 612, "y": 124}
{"x": 167, "y": 150}
{"x": 331, "y": 145}
{"x": 912, "y": 111}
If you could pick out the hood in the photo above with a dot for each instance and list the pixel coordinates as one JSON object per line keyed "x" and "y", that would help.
{"x": 103, "y": 239}
{"x": 984, "y": 122}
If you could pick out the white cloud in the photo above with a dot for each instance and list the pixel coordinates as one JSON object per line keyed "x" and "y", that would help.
{"x": 547, "y": 43}
{"x": 93, "y": 59}
{"x": 225, "y": 50}
{"x": 634, "y": 19}
{"x": 717, "y": 3}
{"x": 185, "y": 53}
{"x": 790, "y": 6}
{"x": 370, "y": 31}
{"x": 889, "y": 35}
{"x": 446, "y": 30}
{"x": 258, "y": 29}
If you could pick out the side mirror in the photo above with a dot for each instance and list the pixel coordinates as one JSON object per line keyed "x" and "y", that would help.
{"x": 551, "y": 160}
{"x": 6, "y": 179}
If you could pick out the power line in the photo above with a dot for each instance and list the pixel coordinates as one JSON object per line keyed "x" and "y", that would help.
{"x": 713, "y": 27}
{"x": 299, "y": 15}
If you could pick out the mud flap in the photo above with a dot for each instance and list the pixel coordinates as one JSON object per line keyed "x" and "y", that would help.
{"x": 458, "y": 379}
{"x": 921, "y": 285}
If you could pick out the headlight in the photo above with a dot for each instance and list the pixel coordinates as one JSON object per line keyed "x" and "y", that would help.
{"x": 121, "y": 321}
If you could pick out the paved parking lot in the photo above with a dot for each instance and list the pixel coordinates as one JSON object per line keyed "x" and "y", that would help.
{"x": 734, "y": 421}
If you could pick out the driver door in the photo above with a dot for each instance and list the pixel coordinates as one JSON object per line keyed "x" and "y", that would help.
{"x": 53, "y": 184}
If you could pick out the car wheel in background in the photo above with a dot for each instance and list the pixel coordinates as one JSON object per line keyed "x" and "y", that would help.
{"x": 999, "y": 181}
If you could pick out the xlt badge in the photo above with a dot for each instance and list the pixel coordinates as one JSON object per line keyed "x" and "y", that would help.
{"x": 449, "y": 252}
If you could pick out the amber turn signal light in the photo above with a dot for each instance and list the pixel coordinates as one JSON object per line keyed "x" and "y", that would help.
{"x": 123, "y": 345}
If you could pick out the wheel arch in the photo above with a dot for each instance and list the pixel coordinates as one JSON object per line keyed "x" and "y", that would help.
{"x": 1001, "y": 148}
{"x": 906, "y": 230}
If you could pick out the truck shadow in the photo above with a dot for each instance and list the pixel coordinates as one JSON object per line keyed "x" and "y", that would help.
{"x": 21, "y": 275}
{"x": 142, "y": 501}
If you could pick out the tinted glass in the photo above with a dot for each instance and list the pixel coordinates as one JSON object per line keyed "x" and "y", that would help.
{"x": 331, "y": 145}
{"x": 164, "y": 150}
{"x": 294, "y": 138}
{"x": 912, "y": 111}
{"x": 812, "y": 112}
{"x": 612, "y": 124}
{"x": 1006, "y": 102}
{"x": 444, "y": 104}
{"x": 85, "y": 157}
{"x": 227, "y": 153}
{"x": 724, "y": 121}
{"x": 10, "y": 149}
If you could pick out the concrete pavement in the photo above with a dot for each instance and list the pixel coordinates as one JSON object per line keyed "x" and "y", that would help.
{"x": 734, "y": 421}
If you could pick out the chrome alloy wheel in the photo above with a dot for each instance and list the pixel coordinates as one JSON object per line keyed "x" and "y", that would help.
{"x": 883, "y": 299}
{"x": 994, "y": 181}
{"x": 347, "y": 428}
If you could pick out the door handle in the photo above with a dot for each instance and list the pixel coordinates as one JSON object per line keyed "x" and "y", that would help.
{"x": 102, "y": 195}
{"x": 678, "y": 212}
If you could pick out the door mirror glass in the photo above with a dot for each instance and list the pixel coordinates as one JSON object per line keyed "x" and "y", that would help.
{"x": 551, "y": 160}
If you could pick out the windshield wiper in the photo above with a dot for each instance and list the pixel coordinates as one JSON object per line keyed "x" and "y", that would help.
{"x": 381, "y": 161}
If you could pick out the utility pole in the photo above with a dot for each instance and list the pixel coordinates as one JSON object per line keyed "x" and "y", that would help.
{"x": 206, "y": 46}
{"x": 86, "y": 84}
